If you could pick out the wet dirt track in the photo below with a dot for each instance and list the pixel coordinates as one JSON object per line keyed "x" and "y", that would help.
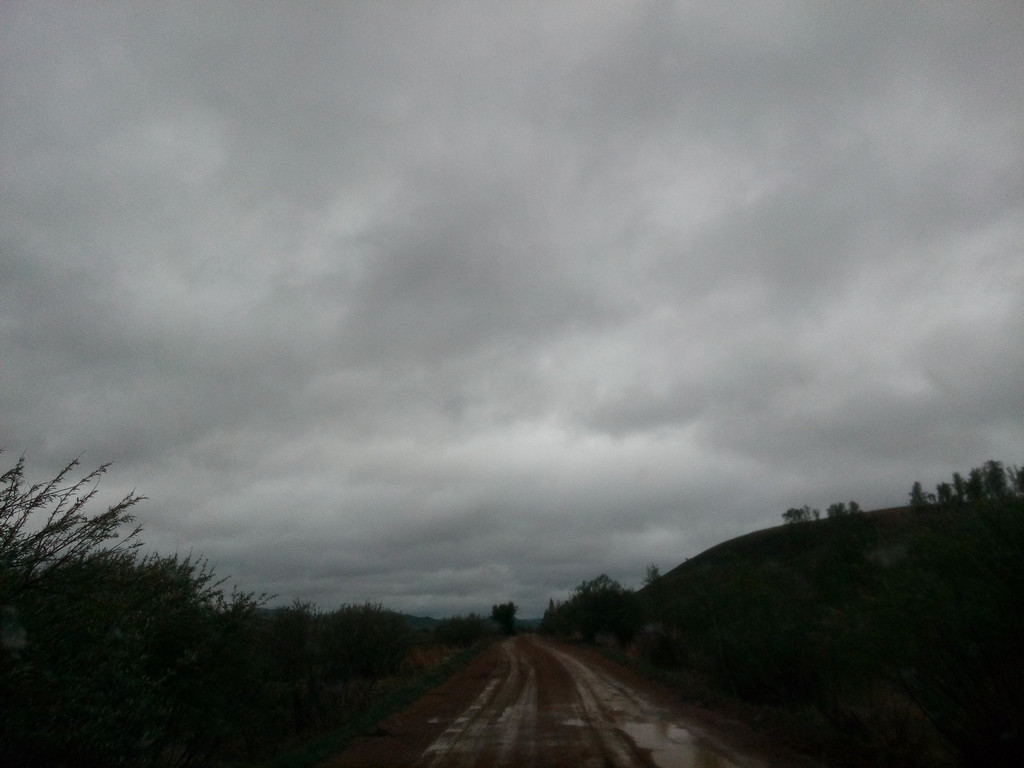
{"x": 532, "y": 702}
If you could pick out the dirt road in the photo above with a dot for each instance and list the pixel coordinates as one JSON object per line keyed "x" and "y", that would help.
{"x": 534, "y": 702}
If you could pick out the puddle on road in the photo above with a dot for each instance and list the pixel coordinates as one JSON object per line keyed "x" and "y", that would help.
{"x": 675, "y": 747}
{"x": 671, "y": 746}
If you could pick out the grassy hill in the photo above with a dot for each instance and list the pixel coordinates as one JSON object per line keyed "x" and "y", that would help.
{"x": 898, "y": 633}
{"x": 902, "y": 627}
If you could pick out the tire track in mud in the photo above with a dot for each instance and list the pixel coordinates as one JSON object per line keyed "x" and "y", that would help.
{"x": 543, "y": 706}
{"x": 494, "y": 722}
{"x": 520, "y": 720}
{"x": 636, "y": 732}
{"x": 595, "y": 710}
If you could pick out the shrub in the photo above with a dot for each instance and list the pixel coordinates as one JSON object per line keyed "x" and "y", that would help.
{"x": 108, "y": 658}
{"x": 463, "y": 631}
{"x": 595, "y": 607}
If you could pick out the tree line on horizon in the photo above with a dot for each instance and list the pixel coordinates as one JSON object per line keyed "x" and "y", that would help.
{"x": 992, "y": 481}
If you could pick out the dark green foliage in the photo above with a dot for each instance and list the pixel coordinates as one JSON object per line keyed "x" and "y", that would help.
{"x": 959, "y": 488}
{"x": 805, "y": 514}
{"x": 918, "y": 498}
{"x": 109, "y": 658}
{"x": 596, "y": 608}
{"x": 463, "y": 631}
{"x": 318, "y": 668}
{"x": 504, "y": 615}
{"x": 365, "y": 642}
{"x": 317, "y": 750}
{"x": 1017, "y": 473}
{"x": 839, "y": 509}
{"x": 949, "y": 624}
{"x": 902, "y": 628}
{"x": 993, "y": 482}
{"x": 944, "y": 494}
{"x": 802, "y": 514}
{"x": 974, "y": 489}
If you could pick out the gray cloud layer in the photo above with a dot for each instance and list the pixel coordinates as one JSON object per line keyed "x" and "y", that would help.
{"x": 446, "y": 304}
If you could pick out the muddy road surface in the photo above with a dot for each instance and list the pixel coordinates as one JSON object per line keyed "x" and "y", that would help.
{"x": 534, "y": 702}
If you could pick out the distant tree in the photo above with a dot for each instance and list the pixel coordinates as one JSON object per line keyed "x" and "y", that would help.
{"x": 959, "y": 488}
{"x": 365, "y": 641}
{"x": 604, "y": 605}
{"x": 854, "y": 508}
{"x": 652, "y": 574}
{"x": 463, "y": 631}
{"x": 554, "y": 620}
{"x": 974, "y": 488}
{"x": 918, "y": 498}
{"x": 504, "y": 615}
{"x": 837, "y": 510}
{"x": 944, "y": 493}
{"x": 1017, "y": 474}
{"x": 995, "y": 481}
{"x": 802, "y": 514}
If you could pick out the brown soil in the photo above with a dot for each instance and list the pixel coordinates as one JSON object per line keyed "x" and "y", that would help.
{"x": 535, "y": 702}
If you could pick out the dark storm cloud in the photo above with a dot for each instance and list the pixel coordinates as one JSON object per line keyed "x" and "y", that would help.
{"x": 446, "y": 304}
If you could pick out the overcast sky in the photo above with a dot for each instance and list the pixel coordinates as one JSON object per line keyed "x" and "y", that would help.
{"x": 446, "y": 304}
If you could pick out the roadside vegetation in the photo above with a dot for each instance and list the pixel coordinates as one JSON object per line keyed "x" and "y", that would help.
{"x": 888, "y": 638}
{"x": 109, "y": 657}
{"x": 894, "y": 636}
{"x": 504, "y": 615}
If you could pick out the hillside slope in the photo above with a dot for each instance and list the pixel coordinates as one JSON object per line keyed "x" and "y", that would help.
{"x": 901, "y": 627}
